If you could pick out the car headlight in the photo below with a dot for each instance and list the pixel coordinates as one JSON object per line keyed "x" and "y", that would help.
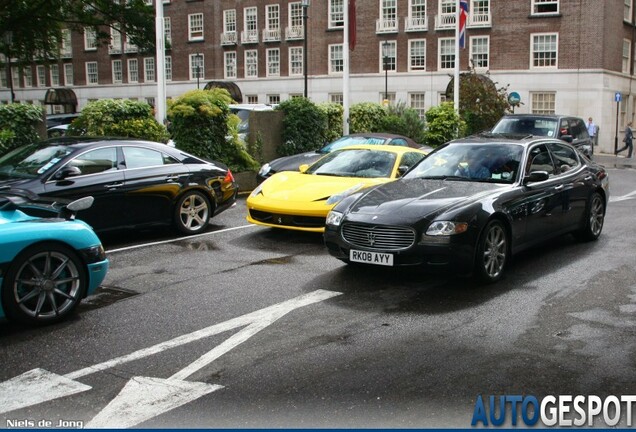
{"x": 333, "y": 199}
{"x": 446, "y": 228}
{"x": 334, "y": 218}
{"x": 257, "y": 190}
{"x": 265, "y": 169}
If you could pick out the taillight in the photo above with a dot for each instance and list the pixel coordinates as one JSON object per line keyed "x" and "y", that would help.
{"x": 229, "y": 178}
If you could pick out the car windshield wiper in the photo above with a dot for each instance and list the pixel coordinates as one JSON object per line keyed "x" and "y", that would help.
{"x": 331, "y": 174}
{"x": 444, "y": 177}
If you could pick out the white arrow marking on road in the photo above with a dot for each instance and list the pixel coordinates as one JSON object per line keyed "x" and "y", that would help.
{"x": 630, "y": 195}
{"x": 144, "y": 398}
{"x": 38, "y": 385}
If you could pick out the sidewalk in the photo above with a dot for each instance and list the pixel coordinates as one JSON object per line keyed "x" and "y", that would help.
{"x": 620, "y": 161}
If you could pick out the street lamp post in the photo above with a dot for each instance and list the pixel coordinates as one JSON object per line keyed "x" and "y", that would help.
{"x": 305, "y": 4}
{"x": 385, "y": 64}
{"x": 198, "y": 57}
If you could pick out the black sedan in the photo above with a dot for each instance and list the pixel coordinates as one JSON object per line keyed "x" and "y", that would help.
{"x": 134, "y": 183}
{"x": 470, "y": 205}
{"x": 292, "y": 163}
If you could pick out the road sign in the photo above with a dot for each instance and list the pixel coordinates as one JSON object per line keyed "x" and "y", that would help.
{"x": 514, "y": 98}
{"x": 618, "y": 97}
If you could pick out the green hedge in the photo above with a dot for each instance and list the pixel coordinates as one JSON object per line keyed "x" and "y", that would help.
{"x": 304, "y": 126}
{"x": 18, "y": 123}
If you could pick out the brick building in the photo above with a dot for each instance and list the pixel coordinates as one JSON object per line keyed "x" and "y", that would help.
{"x": 560, "y": 56}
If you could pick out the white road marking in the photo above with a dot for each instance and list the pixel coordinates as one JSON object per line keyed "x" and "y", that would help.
{"x": 630, "y": 195}
{"x": 179, "y": 239}
{"x": 38, "y": 385}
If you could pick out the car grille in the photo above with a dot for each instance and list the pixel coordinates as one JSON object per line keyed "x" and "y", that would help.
{"x": 288, "y": 220}
{"x": 381, "y": 238}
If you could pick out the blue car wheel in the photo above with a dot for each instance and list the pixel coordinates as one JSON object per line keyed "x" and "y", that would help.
{"x": 44, "y": 284}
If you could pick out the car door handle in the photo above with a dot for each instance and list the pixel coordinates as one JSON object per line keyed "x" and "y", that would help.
{"x": 114, "y": 185}
{"x": 174, "y": 177}
{"x": 558, "y": 188}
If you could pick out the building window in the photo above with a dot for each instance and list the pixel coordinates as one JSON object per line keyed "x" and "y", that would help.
{"x": 250, "y": 25}
{"x": 627, "y": 49}
{"x": 3, "y": 80}
{"x": 336, "y": 59}
{"x": 273, "y": 17}
{"x": 115, "y": 40}
{"x": 252, "y": 99}
{"x": 90, "y": 39}
{"x": 251, "y": 63}
{"x": 91, "y": 73}
{"x": 388, "y": 16}
{"x": 479, "y": 13}
{"x": 229, "y": 21}
{"x": 66, "y": 49}
{"x": 195, "y": 27}
{"x": 118, "y": 72}
{"x": 28, "y": 76}
{"x": 627, "y": 11}
{"x": 167, "y": 30}
{"x": 149, "y": 69}
{"x": 41, "y": 77}
{"x": 446, "y": 19}
{"x": 54, "y": 71}
{"x": 479, "y": 51}
{"x": 296, "y": 61}
{"x": 273, "y": 62}
{"x": 417, "y": 16}
{"x": 545, "y": 7}
{"x": 197, "y": 66}
{"x": 388, "y": 56}
{"x": 295, "y": 14}
{"x": 336, "y": 98}
{"x": 273, "y": 99}
{"x": 336, "y": 13}
{"x": 295, "y": 95}
{"x": 133, "y": 71}
{"x": 230, "y": 64}
{"x": 544, "y": 50}
{"x": 168, "y": 68}
{"x": 417, "y": 54}
{"x": 68, "y": 74}
{"x": 543, "y": 102}
{"x": 417, "y": 102}
{"x": 15, "y": 76}
{"x": 446, "y": 53}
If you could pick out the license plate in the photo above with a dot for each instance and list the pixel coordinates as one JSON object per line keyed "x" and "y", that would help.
{"x": 366, "y": 257}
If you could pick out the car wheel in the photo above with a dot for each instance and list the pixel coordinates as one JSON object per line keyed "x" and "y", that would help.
{"x": 594, "y": 219}
{"x": 492, "y": 252}
{"x": 192, "y": 213}
{"x": 44, "y": 284}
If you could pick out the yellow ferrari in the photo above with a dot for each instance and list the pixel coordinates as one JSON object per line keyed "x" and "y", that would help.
{"x": 300, "y": 200}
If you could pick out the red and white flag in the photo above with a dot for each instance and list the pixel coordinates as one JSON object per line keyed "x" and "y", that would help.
{"x": 463, "y": 19}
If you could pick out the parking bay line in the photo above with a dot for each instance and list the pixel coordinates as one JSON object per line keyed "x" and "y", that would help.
{"x": 145, "y": 397}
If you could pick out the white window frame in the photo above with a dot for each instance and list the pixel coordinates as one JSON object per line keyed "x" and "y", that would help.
{"x": 272, "y": 56}
{"x": 15, "y": 75}
{"x": 90, "y": 39}
{"x": 336, "y": 14}
{"x": 627, "y": 11}
{"x": 40, "y": 75}
{"x": 229, "y": 21}
{"x": 168, "y": 68}
{"x": 336, "y": 59}
{"x": 230, "y": 66}
{"x": 27, "y": 72}
{"x": 197, "y": 59}
{"x": 66, "y": 47}
{"x": 92, "y": 73}
{"x": 272, "y": 17}
{"x": 251, "y": 63}
{"x": 449, "y": 51}
{"x": 534, "y": 42}
{"x": 115, "y": 40}
{"x": 626, "y": 56}
{"x": 273, "y": 99}
{"x": 69, "y": 78}
{"x": 133, "y": 71}
{"x": 538, "y": 4}
{"x": 534, "y": 102}
{"x": 336, "y": 98}
{"x": 54, "y": 75}
{"x": 417, "y": 101}
{"x": 413, "y": 55}
{"x": 167, "y": 29}
{"x": 475, "y": 52}
{"x": 117, "y": 68}
{"x": 295, "y": 15}
{"x": 149, "y": 69}
{"x": 250, "y": 25}
{"x": 296, "y": 61}
{"x": 392, "y": 47}
{"x": 388, "y": 15}
{"x": 251, "y": 99}
{"x": 196, "y": 25}
{"x": 417, "y": 18}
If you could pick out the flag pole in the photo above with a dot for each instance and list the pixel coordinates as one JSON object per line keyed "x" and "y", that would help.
{"x": 456, "y": 78}
{"x": 160, "y": 102}
{"x": 345, "y": 72}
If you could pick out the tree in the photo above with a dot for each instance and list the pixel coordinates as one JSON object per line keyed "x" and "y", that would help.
{"x": 443, "y": 124}
{"x": 32, "y": 29}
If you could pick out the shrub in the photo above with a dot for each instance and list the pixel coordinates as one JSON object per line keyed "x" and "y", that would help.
{"x": 199, "y": 125}
{"x": 334, "y": 113}
{"x": 366, "y": 117}
{"x": 18, "y": 124}
{"x": 444, "y": 124}
{"x": 403, "y": 120}
{"x": 122, "y": 118}
{"x": 304, "y": 126}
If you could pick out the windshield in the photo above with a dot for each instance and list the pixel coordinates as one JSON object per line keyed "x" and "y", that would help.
{"x": 355, "y": 163}
{"x": 496, "y": 163}
{"x": 526, "y": 126}
{"x": 351, "y": 140}
{"x": 30, "y": 161}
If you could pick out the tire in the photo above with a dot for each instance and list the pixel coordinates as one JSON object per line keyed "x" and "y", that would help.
{"x": 44, "y": 284}
{"x": 192, "y": 213}
{"x": 594, "y": 219}
{"x": 492, "y": 252}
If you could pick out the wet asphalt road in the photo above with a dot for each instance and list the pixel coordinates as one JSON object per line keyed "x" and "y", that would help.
{"x": 394, "y": 349}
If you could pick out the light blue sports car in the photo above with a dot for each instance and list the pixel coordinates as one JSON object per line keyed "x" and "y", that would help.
{"x": 47, "y": 265}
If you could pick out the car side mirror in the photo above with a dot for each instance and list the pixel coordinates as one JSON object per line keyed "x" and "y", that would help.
{"x": 567, "y": 138}
{"x": 67, "y": 171}
{"x": 536, "y": 176}
{"x": 402, "y": 169}
{"x": 303, "y": 168}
